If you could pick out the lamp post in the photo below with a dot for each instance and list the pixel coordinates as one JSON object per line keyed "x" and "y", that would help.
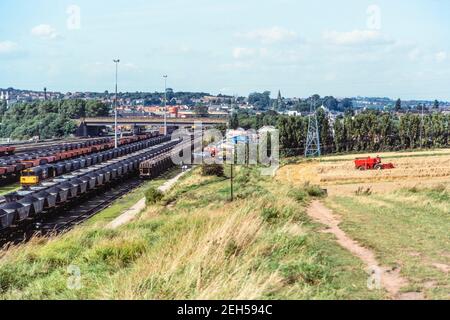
{"x": 115, "y": 106}
{"x": 421, "y": 128}
{"x": 165, "y": 104}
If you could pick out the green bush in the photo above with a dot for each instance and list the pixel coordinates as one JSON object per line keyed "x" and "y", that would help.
{"x": 231, "y": 249}
{"x": 363, "y": 191}
{"x": 153, "y": 195}
{"x": 269, "y": 214}
{"x": 307, "y": 191}
{"x": 314, "y": 191}
{"x": 299, "y": 194}
{"x": 117, "y": 255}
{"x": 212, "y": 170}
{"x": 311, "y": 273}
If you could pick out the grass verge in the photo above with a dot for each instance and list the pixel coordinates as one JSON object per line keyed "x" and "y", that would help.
{"x": 194, "y": 244}
{"x": 407, "y": 229}
{"x": 9, "y": 188}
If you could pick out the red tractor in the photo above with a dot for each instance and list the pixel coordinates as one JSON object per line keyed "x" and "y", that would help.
{"x": 372, "y": 164}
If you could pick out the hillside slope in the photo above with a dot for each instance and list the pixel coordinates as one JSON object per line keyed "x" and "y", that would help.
{"x": 194, "y": 244}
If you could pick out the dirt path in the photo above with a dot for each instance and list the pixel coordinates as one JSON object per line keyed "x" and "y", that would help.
{"x": 130, "y": 214}
{"x": 170, "y": 183}
{"x": 389, "y": 279}
{"x": 127, "y": 216}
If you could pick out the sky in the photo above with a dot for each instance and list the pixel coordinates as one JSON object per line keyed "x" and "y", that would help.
{"x": 342, "y": 48}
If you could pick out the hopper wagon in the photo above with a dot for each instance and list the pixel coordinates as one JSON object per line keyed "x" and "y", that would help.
{"x": 59, "y": 192}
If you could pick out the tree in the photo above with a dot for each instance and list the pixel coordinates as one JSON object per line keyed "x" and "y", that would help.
{"x": 201, "y": 110}
{"x": 3, "y": 109}
{"x": 47, "y": 107}
{"x": 340, "y": 135}
{"x": 170, "y": 94}
{"x": 302, "y": 106}
{"x": 46, "y": 119}
{"x": 74, "y": 109}
{"x": 279, "y": 103}
{"x": 398, "y": 105}
{"x": 409, "y": 131}
{"x": 260, "y": 100}
{"x": 346, "y": 105}
{"x": 316, "y": 98}
{"x": 95, "y": 108}
{"x": 234, "y": 121}
{"x": 436, "y": 104}
{"x": 326, "y": 135}
{"x": 331, "y": 103}
{"x": 293, "y": 132}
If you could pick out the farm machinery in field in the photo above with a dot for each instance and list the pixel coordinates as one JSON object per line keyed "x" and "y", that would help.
{"x": 372, "y": 164}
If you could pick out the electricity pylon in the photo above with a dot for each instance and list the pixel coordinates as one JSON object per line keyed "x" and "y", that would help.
{"x": 313, "y": 139}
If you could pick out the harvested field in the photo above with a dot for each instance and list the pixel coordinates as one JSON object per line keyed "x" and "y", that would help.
{"x": 339, "y": 175}
{"x": 400, "y": 215}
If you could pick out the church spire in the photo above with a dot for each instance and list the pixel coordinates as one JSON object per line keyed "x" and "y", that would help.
{"x": 279, "y": 105}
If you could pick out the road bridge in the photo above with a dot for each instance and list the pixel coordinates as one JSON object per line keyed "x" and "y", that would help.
{"x": 93, "y": 126}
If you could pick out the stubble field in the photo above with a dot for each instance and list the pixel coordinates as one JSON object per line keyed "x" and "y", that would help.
{"x": 401, "y": 215}
{"x": 339, "y": 176}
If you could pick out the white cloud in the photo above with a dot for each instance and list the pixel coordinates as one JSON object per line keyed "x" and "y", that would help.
{"x": 240, "y": 53}
{"x": 414, "y": 54}
{"x": 441, "y": 56}
{"x": 44, "y": 31}
{"x": 270, "y": 35}
{"x": 7, "y": 47}
{"x": 330, "y": 76}
{"x": 129, "y": 66}
{"x": 355, "y": 37}
{"x": 237, "y": 65}
{"x": 103, "y": 68}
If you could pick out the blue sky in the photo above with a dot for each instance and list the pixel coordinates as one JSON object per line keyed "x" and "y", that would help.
{"x": 343, "y": 48}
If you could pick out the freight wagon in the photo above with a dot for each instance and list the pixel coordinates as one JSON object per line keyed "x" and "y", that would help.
{"x": 154, "y": 167}
{"x": 56, "y": 193}
{"x": 12, "y": 165}
{"x": 35, "y": 175}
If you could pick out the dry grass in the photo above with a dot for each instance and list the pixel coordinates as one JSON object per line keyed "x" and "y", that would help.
{"x": 404, "y": 218}
{"x": 339, "y": 175}
{"x": 206, "y": 263}
{"x": 408, "y": 230}
{"x": 299, "y": 173}
{"x": 195, "y": 245}
{"x": 405, "y": 168}
{"x": 391, "y": 155}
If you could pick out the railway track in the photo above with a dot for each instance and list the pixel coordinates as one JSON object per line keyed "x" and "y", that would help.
{"x": 64, "y": 203}
{"x": 25, "y": 147}
{"x": 11, "y": 166}
{"x": 65, "y": 218}
{"x": 20, "y": 149}
{"x": 80, "y": 213}
{"x": 60, "y": 204}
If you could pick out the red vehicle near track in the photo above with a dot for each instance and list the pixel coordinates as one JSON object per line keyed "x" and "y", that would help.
{"x": 372, "y": 164}
{"x": 7, "y": 150}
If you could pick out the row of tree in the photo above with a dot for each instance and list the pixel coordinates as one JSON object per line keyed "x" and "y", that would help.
{"x": 263, "y": 102}
{"x": 150, "y": 98}
{"x": 46, "y": 119}
{"x": 367, "y": 131}
{"x": 420, "y": 106}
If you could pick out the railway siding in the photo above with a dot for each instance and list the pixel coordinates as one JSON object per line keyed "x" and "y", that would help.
{"x": 56, "y": 193}
{"x": 11, "y": 164}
